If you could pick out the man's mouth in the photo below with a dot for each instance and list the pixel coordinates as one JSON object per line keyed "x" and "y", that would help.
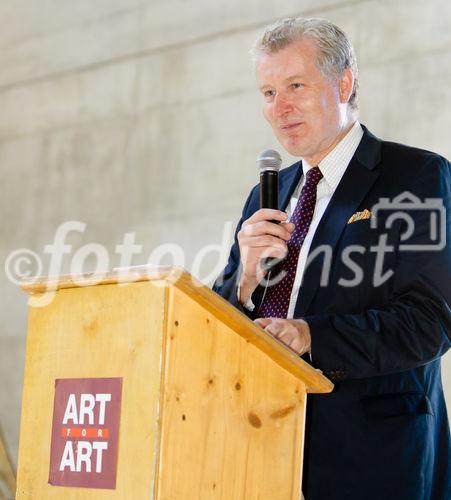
{"x": 290, "y": 126}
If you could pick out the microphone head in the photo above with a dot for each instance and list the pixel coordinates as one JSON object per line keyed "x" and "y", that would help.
{"x": 269, "y": 160}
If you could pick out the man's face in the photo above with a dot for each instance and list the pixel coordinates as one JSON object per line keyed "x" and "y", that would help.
{"x": 306, "y": 110}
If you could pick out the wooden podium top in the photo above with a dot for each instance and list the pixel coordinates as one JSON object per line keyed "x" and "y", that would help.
{"x": 313, "y": 378}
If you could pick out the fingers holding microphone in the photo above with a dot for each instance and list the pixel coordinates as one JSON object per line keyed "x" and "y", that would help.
{"x": 263, "y": 235}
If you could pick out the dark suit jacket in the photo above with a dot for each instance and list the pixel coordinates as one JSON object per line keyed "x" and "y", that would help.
{"x": 383, "y": 433}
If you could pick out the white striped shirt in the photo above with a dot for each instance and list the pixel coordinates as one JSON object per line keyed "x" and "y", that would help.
{"x": 333, "y": 167}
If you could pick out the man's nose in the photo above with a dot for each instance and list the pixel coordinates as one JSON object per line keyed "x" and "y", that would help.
{"x": 282, "y": 105}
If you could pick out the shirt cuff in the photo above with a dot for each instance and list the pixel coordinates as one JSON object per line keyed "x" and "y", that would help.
{"x": 249, "y": 305}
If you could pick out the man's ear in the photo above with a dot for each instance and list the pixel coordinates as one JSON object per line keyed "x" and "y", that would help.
{"x": 346, "y": 85}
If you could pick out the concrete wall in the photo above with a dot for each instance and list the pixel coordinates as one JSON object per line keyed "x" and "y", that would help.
{"x": 143, "y": 117}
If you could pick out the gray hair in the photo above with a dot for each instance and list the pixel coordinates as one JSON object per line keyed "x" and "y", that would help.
{"x": 335, "y": 52}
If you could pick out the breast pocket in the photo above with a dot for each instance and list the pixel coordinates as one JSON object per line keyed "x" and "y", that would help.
{"x": 360, "y": 232}
{"x": 365, "y": 255}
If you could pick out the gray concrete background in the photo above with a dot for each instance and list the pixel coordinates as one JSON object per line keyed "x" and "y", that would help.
{"x": 143, "y": 117}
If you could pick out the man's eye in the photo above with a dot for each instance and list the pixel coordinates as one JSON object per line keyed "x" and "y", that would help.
{"x": 268, "y": 93}
{"x": 296, "y": 85}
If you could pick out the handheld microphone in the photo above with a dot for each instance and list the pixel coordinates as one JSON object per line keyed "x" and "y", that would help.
{"x": 268, "y": 163}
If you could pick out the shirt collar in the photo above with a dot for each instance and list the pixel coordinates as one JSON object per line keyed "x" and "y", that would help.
{"x": 334, "y": 164}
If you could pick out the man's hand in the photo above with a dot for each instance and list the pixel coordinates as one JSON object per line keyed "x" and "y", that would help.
{"x": 295, "y": 333}
{"x": 258, "y": 238}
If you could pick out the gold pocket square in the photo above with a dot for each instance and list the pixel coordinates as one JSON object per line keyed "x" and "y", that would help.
{"x": 366, "y": 214}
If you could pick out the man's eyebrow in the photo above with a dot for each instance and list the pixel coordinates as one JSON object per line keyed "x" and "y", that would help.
{"x": 294, "y": 77}
{"x": 288, "y": 80}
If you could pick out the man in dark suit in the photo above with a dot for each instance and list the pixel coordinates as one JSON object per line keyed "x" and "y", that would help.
{"x": 363, "y": 288}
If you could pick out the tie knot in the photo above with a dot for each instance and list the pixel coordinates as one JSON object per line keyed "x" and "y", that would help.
{"x": 313, "y": 176}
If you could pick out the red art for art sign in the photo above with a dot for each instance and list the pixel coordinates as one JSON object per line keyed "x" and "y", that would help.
{"x": 85, "y": 432}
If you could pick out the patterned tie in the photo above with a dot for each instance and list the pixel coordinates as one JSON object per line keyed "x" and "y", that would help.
{"x": 277, "y": 299}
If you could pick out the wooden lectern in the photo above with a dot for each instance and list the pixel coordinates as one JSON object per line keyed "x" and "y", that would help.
{"x": 212, "y": 406}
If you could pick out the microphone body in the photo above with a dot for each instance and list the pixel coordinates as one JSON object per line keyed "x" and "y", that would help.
{"x": 269, "y": 189}
{"x": 269, "y": 163}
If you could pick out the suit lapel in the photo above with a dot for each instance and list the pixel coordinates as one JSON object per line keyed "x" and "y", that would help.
{"x": 360, "y": 175}
{"x": 289, "y": 184}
